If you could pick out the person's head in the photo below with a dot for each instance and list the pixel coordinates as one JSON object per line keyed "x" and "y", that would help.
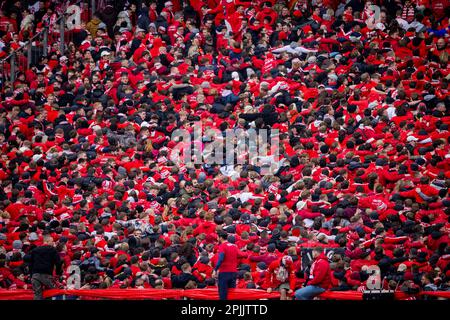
{"x": 223, "y": 236}
{"x": 317, "y": 251}
{"x": 191, "y": 285}
{"x": 426, "y": 279}
{"x": 287, "y": 260}
{"x": 48, "y": 240}
{"x": 440, "y": 107}
{"x": 186, "y": 268}
{"x": 168, "y": 5}
{"x": 441, "y": 44}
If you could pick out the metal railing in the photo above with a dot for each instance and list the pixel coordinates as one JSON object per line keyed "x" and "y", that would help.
{"x": 22, "y": 58}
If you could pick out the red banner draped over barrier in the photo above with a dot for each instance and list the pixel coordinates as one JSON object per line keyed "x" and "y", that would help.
{"x": 196, "y": 294}
{"x": 355, "y": 295}
{"x": 122, "y": 294}
{"x": 342, "y": 295}
{"x": 234, "y": 294}
{"x": 16, "y": 294}
{"x": 158, "y": 294}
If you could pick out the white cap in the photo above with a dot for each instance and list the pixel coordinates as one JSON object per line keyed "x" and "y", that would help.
{"x": 402, "y": 267}
{"x": 168, "y": 4}
{"x": 312, "y": 59}
{"x": 283, "y": 85}
{"x": 373, "y": 104}
{"x": 411, "y": 138}
{"x": 333, "y": 76}
{"x": 36, "y": 157}
{"x": 139, "y": 30}
{"x": 104, "y": 53}
{"x": 96, "y": 128}
{"x": 205, "y": 84}
{"x": 380, "y": 26}
{"x": 64, "y": 216}
{"x": 33, "y": 236}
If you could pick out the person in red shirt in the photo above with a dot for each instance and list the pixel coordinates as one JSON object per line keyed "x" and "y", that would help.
{"x": 319, "y": 277}
{"x": 226, "y": 265}
{"x": 281, "y": 276}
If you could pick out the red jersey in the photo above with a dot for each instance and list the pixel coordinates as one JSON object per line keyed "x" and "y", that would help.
{"x": 230, "y": 261}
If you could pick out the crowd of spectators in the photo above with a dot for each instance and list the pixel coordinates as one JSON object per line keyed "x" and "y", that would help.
{"x": 358, "y": 91}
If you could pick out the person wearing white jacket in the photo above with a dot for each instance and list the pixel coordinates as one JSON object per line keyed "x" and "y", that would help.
{"x": 294, "y": 48}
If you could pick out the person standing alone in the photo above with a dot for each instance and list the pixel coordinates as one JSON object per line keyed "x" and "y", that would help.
{"x": 43, "y": 261}
{"x": 226, "y": 265}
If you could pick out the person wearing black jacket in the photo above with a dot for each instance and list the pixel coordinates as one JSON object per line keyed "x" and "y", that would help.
{"x": 268, "y": 114}
{"x": 43, "y": 260}
{"x": 181, "y": 280}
